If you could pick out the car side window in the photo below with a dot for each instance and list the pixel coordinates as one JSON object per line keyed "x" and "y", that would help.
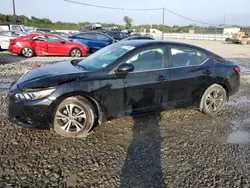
{"x": 184, "y": 57}
{"x": 6, "y": 34}
{"x": 90, "y": 36}
{"x": 53, "y": 39}
{"x": 102, "y": 37}
{"x": 146, "y": 60}
{"x": 15, "y": 28}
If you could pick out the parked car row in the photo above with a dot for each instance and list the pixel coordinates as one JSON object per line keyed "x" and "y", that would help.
{"x": 42, "y": 43}
{"x": 46, "y": 44}
{"x": 5, "y": 37}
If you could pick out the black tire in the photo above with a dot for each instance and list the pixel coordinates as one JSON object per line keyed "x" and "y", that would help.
{"x": 65, "y": 125}
{"x": 75, "y": 52}
{"x": 27, "y": 52}
{"x": 212, "y": 102}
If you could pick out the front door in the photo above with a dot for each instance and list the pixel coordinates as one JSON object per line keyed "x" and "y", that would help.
{"x": 147, "y": 87}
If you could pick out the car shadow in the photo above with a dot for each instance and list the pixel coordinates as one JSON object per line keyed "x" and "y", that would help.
{"x": 142, "y": 167}
{"x": 8, "y": 58}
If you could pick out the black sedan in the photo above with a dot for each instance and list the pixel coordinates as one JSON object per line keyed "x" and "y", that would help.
{"x": 125, "y": 78}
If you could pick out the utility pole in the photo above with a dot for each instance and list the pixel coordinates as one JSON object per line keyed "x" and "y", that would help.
{"x": 14, "y": 12}
{"x": 225, "y": 19}
{"x": 163, "y": 17}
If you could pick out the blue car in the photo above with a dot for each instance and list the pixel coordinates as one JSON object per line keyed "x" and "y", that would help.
{"x": 94, "y": 40}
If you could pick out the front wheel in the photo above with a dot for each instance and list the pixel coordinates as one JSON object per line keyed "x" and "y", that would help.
{"x": 27, "y": 52}
{"x": 74, "y": 117}
{"x": 75, "y": 52}
{"x": 213, "y": 100}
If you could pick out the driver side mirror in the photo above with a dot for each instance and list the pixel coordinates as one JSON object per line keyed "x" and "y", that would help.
{"x": 63, "y": 41}
{"x": 125, "y": 68}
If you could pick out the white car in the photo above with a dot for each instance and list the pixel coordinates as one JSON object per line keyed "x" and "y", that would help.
{"x": 5, "y": 37}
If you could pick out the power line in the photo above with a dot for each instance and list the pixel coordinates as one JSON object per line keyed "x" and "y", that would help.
{"x": 113, "y": 8}
{"x": 150, "y": 9}
{"x": 190, "y": 19}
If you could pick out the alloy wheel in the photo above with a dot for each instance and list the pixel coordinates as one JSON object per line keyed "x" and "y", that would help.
{"x": 76, "y": 53}
{"x": 214, "y": 100}
{"x": 71, "y": 118}
{"x": 27, "y": 52}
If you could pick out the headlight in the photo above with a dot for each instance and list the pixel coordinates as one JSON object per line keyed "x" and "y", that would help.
{"x": 33, "y": 95}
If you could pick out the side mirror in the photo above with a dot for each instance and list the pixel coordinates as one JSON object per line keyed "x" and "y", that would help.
{"x": 125, "y": 68}
{"x": 63, "y": 41}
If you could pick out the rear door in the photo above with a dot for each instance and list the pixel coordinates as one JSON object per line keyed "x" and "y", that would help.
{"x": 147, "y": 87}
{"x": 56, "y": 46}
{"x": 89, "y": 39}
{"x": 190, "y": 75}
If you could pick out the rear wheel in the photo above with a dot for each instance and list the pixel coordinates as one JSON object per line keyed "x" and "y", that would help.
{"x": 74, "y": 117}
{"x": 75, "y": 52}
{"x": 213, "y": 100}
{"x": 27, "y": 52}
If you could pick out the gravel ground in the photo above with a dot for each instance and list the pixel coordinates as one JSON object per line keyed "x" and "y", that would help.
{"x": 179, "y": 148}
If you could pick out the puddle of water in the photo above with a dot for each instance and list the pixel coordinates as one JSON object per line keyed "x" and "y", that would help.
{"x": 239, "y": 137}
{"x": 241, "y": 100}
{"x": 244, "y": 70}
{"x": 4, "y": 86}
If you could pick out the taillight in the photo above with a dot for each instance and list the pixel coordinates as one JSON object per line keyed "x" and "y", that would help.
{"x": 237, "y": 69}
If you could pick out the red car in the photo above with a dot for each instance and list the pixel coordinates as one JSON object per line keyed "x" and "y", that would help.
{"x": 46, "y": 44}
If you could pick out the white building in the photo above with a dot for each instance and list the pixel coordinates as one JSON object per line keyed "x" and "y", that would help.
{"x": 231, "y": 30}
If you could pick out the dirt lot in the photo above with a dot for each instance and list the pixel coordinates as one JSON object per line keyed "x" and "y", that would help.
{"x": 180, "y": 148}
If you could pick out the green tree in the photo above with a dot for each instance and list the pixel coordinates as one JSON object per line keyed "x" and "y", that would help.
{"x": 128, "y": 22}
{"x": 147, "y": 30}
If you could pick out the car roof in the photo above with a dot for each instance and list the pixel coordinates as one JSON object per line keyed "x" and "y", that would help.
{"x": 43, "y": 34}
{"x": 90, "y": 32}
{"x": 141, "y": 43}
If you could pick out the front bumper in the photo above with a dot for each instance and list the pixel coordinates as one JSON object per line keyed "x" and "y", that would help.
{"x": 30, "y": 113}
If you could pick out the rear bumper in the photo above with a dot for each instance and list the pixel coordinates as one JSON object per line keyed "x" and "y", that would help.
{"x": 14, "y": 49}
{"x": 234, "y": 84}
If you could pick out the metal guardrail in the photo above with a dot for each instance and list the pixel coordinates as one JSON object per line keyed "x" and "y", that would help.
{"x": 214, "y": 37}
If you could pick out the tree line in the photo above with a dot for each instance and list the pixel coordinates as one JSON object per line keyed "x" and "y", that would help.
{"x": 47, "y": 23}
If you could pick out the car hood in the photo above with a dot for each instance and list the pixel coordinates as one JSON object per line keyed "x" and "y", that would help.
{"x": 50, "y": 75}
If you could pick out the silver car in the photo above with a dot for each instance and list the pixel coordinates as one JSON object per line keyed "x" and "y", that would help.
{"x": 5, "y": 37}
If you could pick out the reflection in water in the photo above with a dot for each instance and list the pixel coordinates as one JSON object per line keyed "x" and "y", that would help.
{"x": 245, "y": 70}
{"x": 240, "y": 100}
{"x": 239, "y": 134}
{"x": 239, "y": 137}
{"x": 4, "y": 86}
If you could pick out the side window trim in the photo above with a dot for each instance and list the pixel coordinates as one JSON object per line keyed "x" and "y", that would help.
{"x": 186, "y": 47}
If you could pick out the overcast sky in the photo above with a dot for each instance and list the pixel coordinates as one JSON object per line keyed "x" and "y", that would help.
{"x": 210, "y": 11}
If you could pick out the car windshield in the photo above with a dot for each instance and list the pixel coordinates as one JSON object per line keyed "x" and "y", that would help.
{"x": 105, "y": 56}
